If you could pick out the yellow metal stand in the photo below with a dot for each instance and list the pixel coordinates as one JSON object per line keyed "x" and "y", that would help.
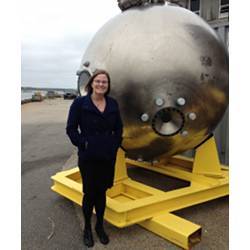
{"x": 130, "y": 202}
{"x": 205, "y": 155}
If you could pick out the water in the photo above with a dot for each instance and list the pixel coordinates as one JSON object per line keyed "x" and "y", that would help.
{"x": 27, "y": 94}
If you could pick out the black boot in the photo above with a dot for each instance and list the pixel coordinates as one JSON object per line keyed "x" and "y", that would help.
{"x": 103, "y": 237}
{"x": 88, "y": 237}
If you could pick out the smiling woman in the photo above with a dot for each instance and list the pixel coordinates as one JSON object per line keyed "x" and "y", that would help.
{"x": 99, "y": 83}
{"x": 100, "y": 136}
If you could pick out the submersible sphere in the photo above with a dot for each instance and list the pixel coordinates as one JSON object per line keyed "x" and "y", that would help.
{"x": 169, "y": 74}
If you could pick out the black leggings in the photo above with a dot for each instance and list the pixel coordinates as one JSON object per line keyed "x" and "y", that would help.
{"x": 91, "y": 199}
{"x": 94, "y": 188}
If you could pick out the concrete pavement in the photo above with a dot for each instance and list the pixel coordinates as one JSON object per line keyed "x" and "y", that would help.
{"x": 46, "y": 150}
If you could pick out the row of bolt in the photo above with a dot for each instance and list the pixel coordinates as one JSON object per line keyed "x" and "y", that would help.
{"x": 159, "y": 102}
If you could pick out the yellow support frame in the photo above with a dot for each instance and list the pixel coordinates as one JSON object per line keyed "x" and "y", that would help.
{"x": 130, "y": 202}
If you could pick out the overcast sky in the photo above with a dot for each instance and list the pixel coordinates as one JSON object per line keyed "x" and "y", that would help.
{"x": 55, "y": 34}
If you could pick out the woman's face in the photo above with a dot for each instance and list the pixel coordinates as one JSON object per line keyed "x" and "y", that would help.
{"x": 100, "y": 84}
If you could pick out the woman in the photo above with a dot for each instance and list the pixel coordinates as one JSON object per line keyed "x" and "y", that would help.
{"x": 98, "y": 117}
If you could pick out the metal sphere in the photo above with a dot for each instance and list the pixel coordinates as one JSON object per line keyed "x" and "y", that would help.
{"x": 167, "y": 53}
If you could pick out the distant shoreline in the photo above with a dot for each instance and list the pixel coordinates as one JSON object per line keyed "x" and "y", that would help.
{"x": 28, "y": 92}
{"x": 48, "y": 89}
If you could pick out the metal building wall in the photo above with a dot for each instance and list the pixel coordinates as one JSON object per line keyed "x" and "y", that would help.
{"x": 222, "y": 130}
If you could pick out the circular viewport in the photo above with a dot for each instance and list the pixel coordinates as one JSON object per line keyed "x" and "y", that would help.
{"x": 82, "y": 82}
{"x": 168, "y": 121}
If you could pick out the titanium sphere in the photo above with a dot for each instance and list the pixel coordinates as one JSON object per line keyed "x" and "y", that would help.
{"x": 164, "y": 53}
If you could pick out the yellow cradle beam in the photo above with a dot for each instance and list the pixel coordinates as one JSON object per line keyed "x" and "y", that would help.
{"x": 130, "y": 202}
{"x": 175, "y": 229}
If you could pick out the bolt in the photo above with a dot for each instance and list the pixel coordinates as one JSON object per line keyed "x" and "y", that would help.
{"x": 184, "y": 133}
{"x": 159, "y": 101}
{"x": 181, "y": 101}
{"x": 144, "y": 117}
{"x": 192, "y": 116}
{"x": 86, "y": 64}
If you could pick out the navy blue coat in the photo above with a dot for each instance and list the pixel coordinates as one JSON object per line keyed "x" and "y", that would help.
{"x": 97, "y": 135}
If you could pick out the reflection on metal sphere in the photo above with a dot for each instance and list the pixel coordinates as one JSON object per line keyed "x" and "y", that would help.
{"x": 167, "y": 67}
{"x": 168, "y": 121}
